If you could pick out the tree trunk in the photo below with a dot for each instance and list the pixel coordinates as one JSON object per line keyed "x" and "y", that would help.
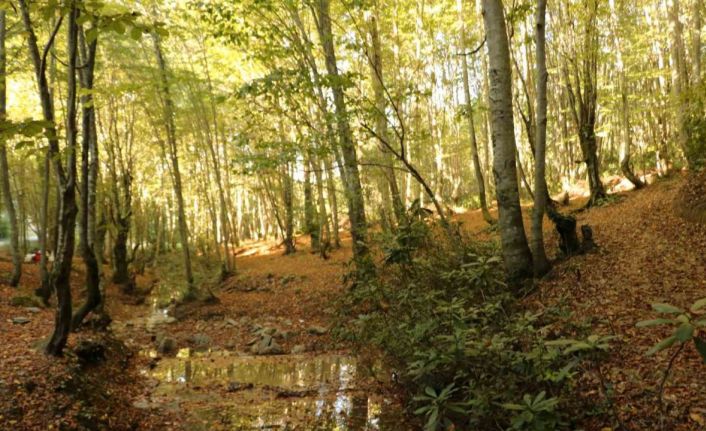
{"x": 625, "y": 127}
{"x": 311, "y": 225}
{"x": 44, "y": 289}
{"x": 539, "y": 256}
{"x": 66, "y": 178}
{"x": 477, "y": 168}
{"x": 61, "y": 271}
{"x": 696, "y": 40}
{"x": 679, "y": 81}
{"x": 584, "y": 102}
{"x": 288, "y": 196}
{"x": 375, "y": 60}
{"x": 324, "y": 231}
{"x": 174, "y": 159}
{"x": 4, "y": 166}
{"x": 626, "y": 141}
{"x": 516, "y": 253}
{"x": 333, "y": 201}
{"x": 354, "y": 192}
{"x": 89, "y": 176}
{"x": 589, "y": 148}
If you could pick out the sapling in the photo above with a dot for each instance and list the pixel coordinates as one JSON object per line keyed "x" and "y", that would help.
{"x": 685, "y": 328}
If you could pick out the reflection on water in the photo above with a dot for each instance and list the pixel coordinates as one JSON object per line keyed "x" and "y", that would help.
{"x": 285, "y": 372}
{"x": 288, "y": 393}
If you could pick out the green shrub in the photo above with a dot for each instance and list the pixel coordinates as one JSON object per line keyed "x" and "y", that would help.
{"x": 469, "y": 355}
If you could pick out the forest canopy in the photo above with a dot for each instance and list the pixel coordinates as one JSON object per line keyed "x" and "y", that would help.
{"x": 449, "y": 153}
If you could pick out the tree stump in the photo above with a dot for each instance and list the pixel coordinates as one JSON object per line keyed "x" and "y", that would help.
{"x": 587, "y": 233}
{"x": 566, "y": 227}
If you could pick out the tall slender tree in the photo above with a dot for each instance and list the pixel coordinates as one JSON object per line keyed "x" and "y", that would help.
{"x": 539, "y": 256}
{"x": 582, "y": 88}
{"x": 172, "y": 151}
{"x": 468, "y": 110}
{"x": 376, "y": 69}
{"x": 516, "y": 253}
{"x": 89, "y": 178}
{"x": 4, "y": 165}
{"x": 354, "y": 191}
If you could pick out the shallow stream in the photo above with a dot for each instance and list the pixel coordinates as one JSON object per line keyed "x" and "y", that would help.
{"x": 227, "y": 390}
{"x": 224, "y": 390}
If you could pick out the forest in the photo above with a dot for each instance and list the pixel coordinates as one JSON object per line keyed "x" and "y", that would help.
{"x": 352, "y": 215}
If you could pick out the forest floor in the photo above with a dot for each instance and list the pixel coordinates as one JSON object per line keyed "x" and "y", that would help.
{"x": 185, "y": 367}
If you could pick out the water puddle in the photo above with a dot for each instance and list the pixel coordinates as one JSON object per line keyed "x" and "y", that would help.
{"x": 150, "y": 322}
{"x": 226, "y": 391}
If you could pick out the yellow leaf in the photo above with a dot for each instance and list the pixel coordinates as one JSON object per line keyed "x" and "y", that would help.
{"x": 697, "y": 418}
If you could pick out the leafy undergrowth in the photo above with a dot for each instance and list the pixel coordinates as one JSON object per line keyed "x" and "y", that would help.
{"x": 468, "y": 353}
{"x": 567, "y": 356}
{"x": 647, "y": 254}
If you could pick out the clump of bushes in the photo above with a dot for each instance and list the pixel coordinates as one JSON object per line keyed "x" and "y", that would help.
{"x": 468, "y": 354}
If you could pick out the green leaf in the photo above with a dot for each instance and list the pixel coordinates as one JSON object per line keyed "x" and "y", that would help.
{"x": 511, "y": 406}
{"x": 653, "y": 322}
{"x": 666, "y": 308}
{"x": 561, "y": 342}
{"x": 667, "y": 342}
{"x": 685, "y": 332}
{"x": 580, "y": 345}
{"x": 91, "y": 34}
{"x": 540, "y": 396}
{"x": 701, "y": 347}
{"x": 136, "y": 33}
{"x": 117, "y": 27}
{"x": 698, "y": 305}
{"x": 422, "y": 410}
{"x": 432, "y": 422}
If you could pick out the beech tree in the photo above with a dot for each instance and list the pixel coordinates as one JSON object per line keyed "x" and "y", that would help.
{"x": 516, "y": 252}
{"x": 354, "y": 193}
{"x": 4, "y": 165}
{"x": 539, "y": 256}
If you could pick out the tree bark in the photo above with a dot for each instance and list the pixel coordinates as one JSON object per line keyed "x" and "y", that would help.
{"x": 288, "y": 197}
{"x": 324, "y": 231}
{"x": 39, "y": 64}
{"x": 626, "y": 141}
{"x": 4, "y": 165}
{"x": 174, "y": 159}
{"x": 354, "y": 192}
{"x": 696, "y": 40}
{"x": 375, "y": 61}
{"x": 61, "y": 271}
{"x": 516, "y": 253}
{"x": 583, "y": 102}
{"x": 625, "y": 127}
{"x": 311, "y": 224}
{"x": 539, "y": 255}
{"x": 89, "y": 177}
{"x": 333, "y": 200}
{"x": 477, "y": 168}
{"x": 680, "y": 81}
